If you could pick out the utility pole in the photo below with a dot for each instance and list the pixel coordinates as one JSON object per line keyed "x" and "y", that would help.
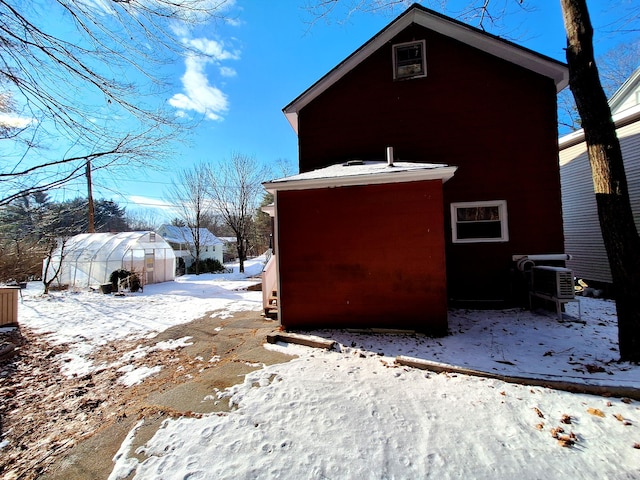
{"x": 91, "y": 228}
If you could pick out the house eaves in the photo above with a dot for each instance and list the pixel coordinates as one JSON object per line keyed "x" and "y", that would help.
{"x": 620, "y": 120}
{"x": 627, "y": 88}
{"x": 486, "y": 42}
{"x": 362, "y": 173}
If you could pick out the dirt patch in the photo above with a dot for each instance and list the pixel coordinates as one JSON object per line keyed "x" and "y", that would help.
{"x": 55, "y": 427}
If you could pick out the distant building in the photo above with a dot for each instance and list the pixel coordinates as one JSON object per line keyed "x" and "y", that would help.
{"x": 229, "y": 249}
{"x": 182, "y": 242}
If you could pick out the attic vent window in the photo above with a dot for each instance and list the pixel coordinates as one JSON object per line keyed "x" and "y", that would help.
{"x": 409, "y": 60}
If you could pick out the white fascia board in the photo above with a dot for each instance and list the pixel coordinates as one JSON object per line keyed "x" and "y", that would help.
{"x": 443, "y": 25}
{"x": 497, "y": 47}
{"x": 620, "y": 120}
{"x": 624, "y": 90}
{"x": 404, "y": 176}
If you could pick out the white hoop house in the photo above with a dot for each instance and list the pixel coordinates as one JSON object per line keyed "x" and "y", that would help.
{"x": 90, "y": 258}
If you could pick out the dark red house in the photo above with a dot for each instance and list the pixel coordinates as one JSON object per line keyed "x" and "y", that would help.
{"x": 361, "y": 244}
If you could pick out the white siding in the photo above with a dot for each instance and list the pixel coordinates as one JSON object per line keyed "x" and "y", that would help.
{"x": 583, "y": 238}
{"x": 633, "y": 98}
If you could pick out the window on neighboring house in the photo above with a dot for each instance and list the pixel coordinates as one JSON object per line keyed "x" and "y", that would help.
{"x": 473, "y": 222}
{"x": 409, "y": 60}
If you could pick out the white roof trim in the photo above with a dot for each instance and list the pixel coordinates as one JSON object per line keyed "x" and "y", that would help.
{"x": 629, "y": 85}
{"x": 621, "y": 119}
{"x": 446, "y": 26}
{"x": 367, "y": 173}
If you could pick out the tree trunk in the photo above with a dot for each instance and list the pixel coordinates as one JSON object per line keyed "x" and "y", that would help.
{"x": 609, "y": 180}
{"x": 241, "y": 253}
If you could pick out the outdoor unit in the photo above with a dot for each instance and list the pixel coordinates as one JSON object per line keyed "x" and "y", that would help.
{"x": 556, "y": 282}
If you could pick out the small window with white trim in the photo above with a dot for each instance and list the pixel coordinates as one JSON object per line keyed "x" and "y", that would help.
{"x": 409, "y": 60}
{"x": 474, "y": 222}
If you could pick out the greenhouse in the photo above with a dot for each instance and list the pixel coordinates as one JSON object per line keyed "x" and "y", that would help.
{"x": 89, "y": 259}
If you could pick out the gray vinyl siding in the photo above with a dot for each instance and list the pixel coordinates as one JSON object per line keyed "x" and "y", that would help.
{"x": 583, "y": 239}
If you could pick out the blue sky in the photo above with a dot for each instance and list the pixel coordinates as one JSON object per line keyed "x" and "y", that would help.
{"x": 266, "y": 57}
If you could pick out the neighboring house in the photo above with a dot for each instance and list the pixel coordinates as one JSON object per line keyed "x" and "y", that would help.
{"x": 229, "y": 249}
{"x": 181, "y": 240}
{"x": 583, "y": 237}
{"x": 363, "y": 244}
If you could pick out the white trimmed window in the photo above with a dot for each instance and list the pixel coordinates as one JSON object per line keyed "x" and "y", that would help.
{"x": 409, "y": 60}
{"x": 474, "y": 222}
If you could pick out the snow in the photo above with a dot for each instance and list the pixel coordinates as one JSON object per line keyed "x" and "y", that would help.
{"x": 353, "y": 412}
{"x": 85, "y": 320}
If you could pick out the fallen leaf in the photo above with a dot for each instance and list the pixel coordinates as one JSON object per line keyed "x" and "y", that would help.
{"x": 565, "y": 419}
{"x": 538, "y": 412}
{"x": 636, "y": 445}
{"x": 592, "y": 368}
{"x": 565, "y": 441}
{"x": 619, "y": 417}
{"x": 626, "y": 400}
{"x": 555, "y": 432}
{"x": 596, "y": 412}
{"x": 540, "y": 426}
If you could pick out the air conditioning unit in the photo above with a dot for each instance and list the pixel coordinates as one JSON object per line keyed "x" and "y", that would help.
{"x": 556, "y": 282}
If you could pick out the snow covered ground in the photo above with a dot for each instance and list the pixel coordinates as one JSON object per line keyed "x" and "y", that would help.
{"x": 355, "y": 413}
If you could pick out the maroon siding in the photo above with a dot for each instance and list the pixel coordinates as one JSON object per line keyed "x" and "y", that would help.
{"x": 364, "y": 256}
{"x": 492, "y": 119}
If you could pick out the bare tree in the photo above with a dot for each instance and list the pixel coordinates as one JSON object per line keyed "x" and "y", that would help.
{"x": 52, "y": 264}
{"x": 236, "y": 191}
{"x": 617, "y": 65}
{"x": 190, "y": 196}
{"x": 143, "y": 219}
{"x": 89, "y": 90}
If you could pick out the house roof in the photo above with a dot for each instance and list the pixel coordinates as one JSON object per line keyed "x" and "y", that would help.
{"x": 446, "y": 26}
{"x": 624, "y": 106}
{"x": 362, "y": 173}
{"x": 628, "y": 88}
{"x": 174, "y": 234}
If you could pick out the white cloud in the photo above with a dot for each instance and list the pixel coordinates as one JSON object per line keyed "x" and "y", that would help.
{"x": 213, "y": 49}
{"x": 149, "y": 202}
{"x": 228, "y": 72}
{"x": 198, "y": 94}
{"x": 14, "y": 121}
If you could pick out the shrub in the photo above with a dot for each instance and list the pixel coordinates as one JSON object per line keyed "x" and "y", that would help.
{"x": 133, "y": 283}
{"x": 210, "y": 265}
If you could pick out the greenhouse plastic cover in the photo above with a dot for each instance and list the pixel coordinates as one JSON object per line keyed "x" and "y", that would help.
{"x": 90, "y": 258}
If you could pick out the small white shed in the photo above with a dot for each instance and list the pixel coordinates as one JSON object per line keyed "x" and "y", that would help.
{"x": 90, "y": 258}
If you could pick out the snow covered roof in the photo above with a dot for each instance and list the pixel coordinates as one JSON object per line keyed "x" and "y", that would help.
{"x": 359, "y": 172}
{"x": 174, "y": 234}
{"x": 443, "y": 25}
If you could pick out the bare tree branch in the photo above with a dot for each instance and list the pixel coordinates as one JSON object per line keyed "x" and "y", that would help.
{"x": 92, "y": 89}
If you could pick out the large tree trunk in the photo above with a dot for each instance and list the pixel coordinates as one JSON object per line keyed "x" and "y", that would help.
{"x": 609, "y": 180}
